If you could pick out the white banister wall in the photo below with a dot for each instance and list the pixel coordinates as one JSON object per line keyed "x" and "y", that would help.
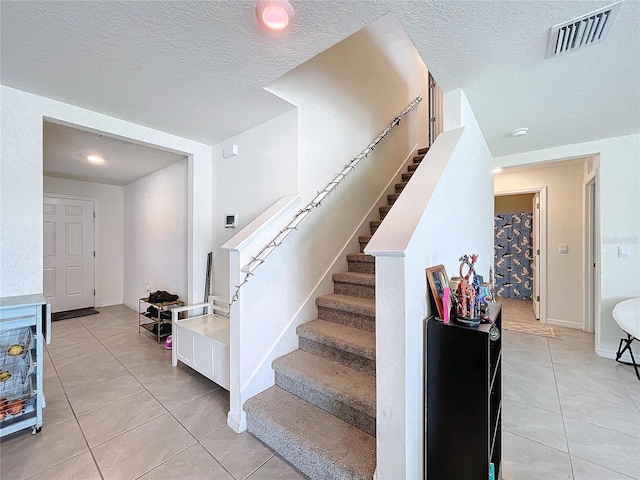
{"x": 247, "y": 315}
{"x": 445, "y": 211}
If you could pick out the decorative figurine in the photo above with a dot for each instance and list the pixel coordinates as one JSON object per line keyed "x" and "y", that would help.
{"x": 467, "y": 311}
{"x": 472, "y": 297}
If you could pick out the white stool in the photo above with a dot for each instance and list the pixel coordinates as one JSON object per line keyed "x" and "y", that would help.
{"x": 627, "y": 314}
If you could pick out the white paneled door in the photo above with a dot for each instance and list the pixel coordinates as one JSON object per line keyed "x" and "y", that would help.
{"x": 68, "y": 253}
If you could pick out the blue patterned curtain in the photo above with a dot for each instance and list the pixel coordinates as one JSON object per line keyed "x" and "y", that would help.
{"x": 513, "y": 255}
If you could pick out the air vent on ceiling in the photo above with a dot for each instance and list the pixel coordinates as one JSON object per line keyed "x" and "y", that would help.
{"x": 583, "y": 31}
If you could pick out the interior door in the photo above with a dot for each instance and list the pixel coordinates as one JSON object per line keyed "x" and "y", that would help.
{"x": 68, "y": 253}
{"x": 536, "y": 255}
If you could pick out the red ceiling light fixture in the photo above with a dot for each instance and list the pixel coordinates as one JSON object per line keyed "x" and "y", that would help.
{"x": 274, "y": 15}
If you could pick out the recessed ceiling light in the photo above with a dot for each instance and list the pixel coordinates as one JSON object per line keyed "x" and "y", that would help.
{"x": 496, "y": 170}
{"x": 95, "y": 159}
{"x": 518, "y": 132}
{"x": 275, "y": 15}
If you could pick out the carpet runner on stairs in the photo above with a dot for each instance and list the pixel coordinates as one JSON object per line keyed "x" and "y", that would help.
{"x": 321, "y": 414}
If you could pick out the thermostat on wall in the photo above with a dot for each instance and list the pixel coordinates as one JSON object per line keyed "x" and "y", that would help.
{"x": 230, "y": 220}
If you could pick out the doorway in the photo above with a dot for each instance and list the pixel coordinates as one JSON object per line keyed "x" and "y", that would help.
{"x": 520, "y": 251}
{"x": 139, "y": 214}
{"x": 68, "y": 270}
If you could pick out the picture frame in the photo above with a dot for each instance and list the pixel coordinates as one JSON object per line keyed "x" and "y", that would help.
{"x": 438, "y": 281}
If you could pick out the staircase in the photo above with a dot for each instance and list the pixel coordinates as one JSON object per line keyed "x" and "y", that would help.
{"x": 321, "y": 414}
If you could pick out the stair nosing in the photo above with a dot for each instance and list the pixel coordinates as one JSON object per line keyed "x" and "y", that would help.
{"x": 349, "y": 302}
{"x": 355, "y": 278}
{"x": 311, "y": 331}
{"x": 361, "y": 258}
{"x": 333, "y": 451}
{"x": 354, "y": 398}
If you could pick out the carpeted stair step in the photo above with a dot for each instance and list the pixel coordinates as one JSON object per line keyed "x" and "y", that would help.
{"x": 400, "y": 186}
{"x": 361, "y": 262}
{"x": 339, "y": 390}
{"x": 412, "y": 168}
{"x": 407, "y": 176}
{"x": 384, "y": 211}
{"x": 355, "y": 284}
{"x": 392, "y": 197}
{"x": 373, "y": 226}
{"x": 350, "y": 311}
{"x": 349, "y": 346}
{"x": 423, "y": 151}
{"x": 320, "y": 445}
{"x": 363, "y": 242}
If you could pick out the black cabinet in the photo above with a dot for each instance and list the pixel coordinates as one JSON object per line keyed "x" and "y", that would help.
{"x": 464, "y": 400}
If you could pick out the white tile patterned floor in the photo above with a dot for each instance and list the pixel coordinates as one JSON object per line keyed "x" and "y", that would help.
{"x": 117, "y": 409}
{"x": 567, "y": 413}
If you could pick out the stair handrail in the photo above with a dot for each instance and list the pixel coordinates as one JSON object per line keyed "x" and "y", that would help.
{"x": 259, "y": 259}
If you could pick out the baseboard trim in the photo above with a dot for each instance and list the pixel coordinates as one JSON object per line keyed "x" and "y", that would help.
{"x": 236, "y": 424}
{"x": 109, "y": 303}
{"x": 612, "y": 354}
{"x": 563, "y": 323}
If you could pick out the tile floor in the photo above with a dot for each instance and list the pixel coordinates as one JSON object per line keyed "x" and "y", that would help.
{"x": 117, "y": 409}
{"x": 567, "y": 413}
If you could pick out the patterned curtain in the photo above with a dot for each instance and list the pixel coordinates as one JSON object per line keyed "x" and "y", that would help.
{"x": 513, "y": 255}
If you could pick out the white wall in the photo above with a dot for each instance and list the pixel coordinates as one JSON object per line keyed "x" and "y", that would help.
{"x": 265, "y": 169}
{"x": 155, "y": 234}
{"x": 619, "y": 202}
{"x": 444, "y": 212}
{"x": 21, "y": 185}
{"x": 342, "y": 107}
{"x": 565, "y": 224}
{"x": 108, "y": 230}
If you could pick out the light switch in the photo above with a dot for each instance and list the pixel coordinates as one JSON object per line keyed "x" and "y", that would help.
{"x": 564, "y": 248}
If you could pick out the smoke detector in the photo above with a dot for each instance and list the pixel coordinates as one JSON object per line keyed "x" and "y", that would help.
{"x": 582, "y": 31}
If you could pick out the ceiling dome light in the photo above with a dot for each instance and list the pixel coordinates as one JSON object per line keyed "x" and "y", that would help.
{"x": 275, "y": 15}
{"x": 95, "y": 159}
{"x": 518, "y": 132}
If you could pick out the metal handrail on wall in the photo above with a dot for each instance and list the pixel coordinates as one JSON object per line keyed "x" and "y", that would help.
{"x": 317, "y": 201}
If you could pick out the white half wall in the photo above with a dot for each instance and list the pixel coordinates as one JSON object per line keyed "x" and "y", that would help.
{"x": 265, "y": 169}
{"x": 108, "y": 229}
{"x": 155, "y": 234}
{"x": 565, "y": 225}
{"x": 619, "y": 202}
{"x": 445, "y": 211}
{"x": 21, "y": 186}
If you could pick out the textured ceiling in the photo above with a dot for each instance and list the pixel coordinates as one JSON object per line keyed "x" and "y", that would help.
{"x": 196, "y": 69}
{"x": 65, "y": 151}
